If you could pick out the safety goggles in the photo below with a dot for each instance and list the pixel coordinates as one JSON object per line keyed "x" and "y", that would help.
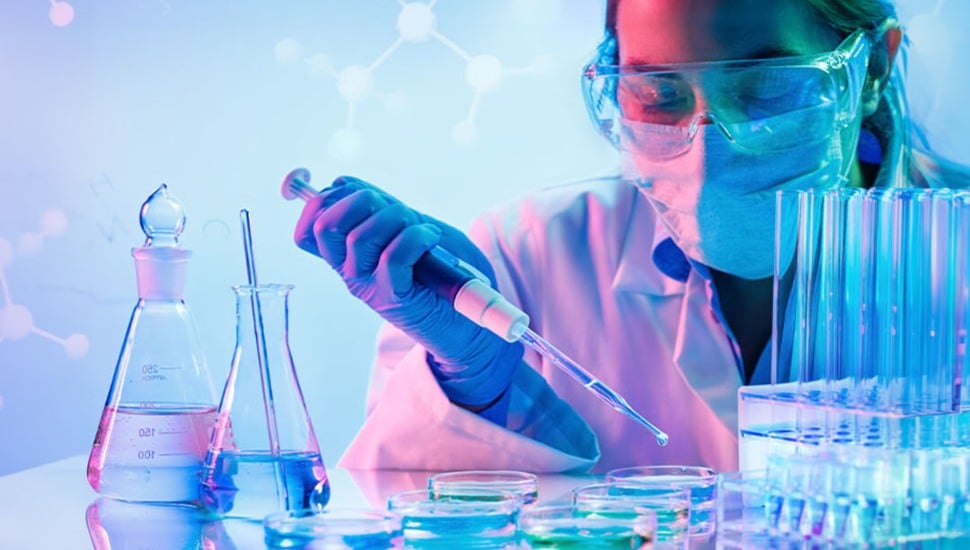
{"x": 759, "y": 105}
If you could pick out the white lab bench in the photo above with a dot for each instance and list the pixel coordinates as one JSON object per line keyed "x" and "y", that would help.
{"x": 52, "y": 506}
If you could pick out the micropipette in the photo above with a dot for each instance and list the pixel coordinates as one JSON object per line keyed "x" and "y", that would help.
{"x": 472, "y": 296}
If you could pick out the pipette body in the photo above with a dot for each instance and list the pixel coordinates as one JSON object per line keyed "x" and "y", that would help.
{"x": 449, "y": 277}
{"x": 472, "y": 296}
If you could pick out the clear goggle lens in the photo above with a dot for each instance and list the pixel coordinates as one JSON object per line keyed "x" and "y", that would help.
{"x": 760, "y": 106}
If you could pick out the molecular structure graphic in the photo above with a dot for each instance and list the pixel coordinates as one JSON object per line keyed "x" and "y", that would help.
{"x": 484, "y": 74}
{"x": 16, "y": 321}
{"x": 61, "y": 13}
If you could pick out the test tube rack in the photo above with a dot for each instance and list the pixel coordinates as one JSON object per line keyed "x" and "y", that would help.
{"x": 863, "y": 437}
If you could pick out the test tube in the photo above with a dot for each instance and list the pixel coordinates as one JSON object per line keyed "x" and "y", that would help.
{"x": 854, "y": 312}
{"x": 909, "y": 300}
{"x": 786, "y": 239}
{"x": 864, "y": 234}
{"x": 802, "y": 288}
{"x": 961, "y": 234}
{"x": 940, "y": 286}
{"x": 887, "y": 282}
{"x": 833, "y": 299}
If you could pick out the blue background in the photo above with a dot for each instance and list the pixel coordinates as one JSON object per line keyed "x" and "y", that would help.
{"x": 202, "y": 96}
{"x": 219, "y": 100}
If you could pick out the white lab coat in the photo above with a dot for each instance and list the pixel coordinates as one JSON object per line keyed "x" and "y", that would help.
{"x": 578, "y": 260}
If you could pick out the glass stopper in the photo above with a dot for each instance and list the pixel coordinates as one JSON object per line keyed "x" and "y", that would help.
{"x": 162, "y": 218}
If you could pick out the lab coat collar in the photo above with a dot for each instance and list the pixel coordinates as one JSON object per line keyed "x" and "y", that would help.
{"x": 650, "y": 263}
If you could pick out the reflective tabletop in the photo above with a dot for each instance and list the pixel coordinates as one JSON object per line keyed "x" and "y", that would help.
{"x": 52, "y": 506}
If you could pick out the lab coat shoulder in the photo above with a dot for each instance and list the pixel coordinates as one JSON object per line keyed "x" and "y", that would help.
{"x": 577, "y": 228}
{"x": 577, "y": 209}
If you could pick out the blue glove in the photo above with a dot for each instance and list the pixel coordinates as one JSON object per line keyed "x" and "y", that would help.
{"x": 373, "y": 240}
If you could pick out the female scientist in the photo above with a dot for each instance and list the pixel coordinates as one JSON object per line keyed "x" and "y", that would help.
{"x": 658, "y": 281}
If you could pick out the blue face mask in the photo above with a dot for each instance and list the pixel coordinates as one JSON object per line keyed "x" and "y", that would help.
{"x": 712, "y": 168}
{"x": 718, "y": 203}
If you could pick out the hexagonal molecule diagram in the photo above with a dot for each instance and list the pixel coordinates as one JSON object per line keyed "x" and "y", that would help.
{"x": 484, "y": 74}
{"x": 16, "y": 320}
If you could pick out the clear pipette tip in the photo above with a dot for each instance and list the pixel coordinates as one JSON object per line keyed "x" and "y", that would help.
{"x": 590, "y": 382}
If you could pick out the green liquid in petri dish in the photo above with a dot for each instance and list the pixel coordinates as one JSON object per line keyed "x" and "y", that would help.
{"x": 568, "y": 538}
{"x": 482, "y": 496}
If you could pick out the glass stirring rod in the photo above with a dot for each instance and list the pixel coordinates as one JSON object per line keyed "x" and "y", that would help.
{"x": 472, "y": 296}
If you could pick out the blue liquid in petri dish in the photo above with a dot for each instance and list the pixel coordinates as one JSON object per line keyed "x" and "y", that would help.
{"x": 455, "y": 522}
{"x": 333, "y": 529}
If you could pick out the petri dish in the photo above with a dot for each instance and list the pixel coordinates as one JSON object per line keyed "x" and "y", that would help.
{"x": 457, "y": 484}
{"x": 567, "y": 527}
{"x": 700, "y": 481}
{"x": 670, "y": 505}
{"x": 483, "y": 518}
{"x": 354, "y": 529}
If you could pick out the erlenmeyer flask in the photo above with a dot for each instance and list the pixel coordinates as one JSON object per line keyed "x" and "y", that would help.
{"x": 263, "y": 456}
{"x": 161, "y": 406}
{"x": 116, "y": 525}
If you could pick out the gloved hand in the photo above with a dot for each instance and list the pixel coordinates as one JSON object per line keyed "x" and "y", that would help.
{"x": 373, "y": 240}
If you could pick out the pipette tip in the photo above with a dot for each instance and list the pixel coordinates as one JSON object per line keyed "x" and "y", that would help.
{"x": 662, "y": 437}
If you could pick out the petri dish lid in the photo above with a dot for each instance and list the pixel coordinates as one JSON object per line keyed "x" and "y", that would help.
{"x": 333, "y": 529}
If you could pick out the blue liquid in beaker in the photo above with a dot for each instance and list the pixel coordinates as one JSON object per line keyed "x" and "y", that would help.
{"x": 244, "y": 484}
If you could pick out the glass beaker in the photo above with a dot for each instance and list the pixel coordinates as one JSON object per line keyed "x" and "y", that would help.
{"x": 263, "y": 456}
{"x": 160, "y": 408}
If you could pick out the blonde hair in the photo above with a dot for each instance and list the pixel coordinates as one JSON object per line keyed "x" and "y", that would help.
{"x": 846, "y": 16}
